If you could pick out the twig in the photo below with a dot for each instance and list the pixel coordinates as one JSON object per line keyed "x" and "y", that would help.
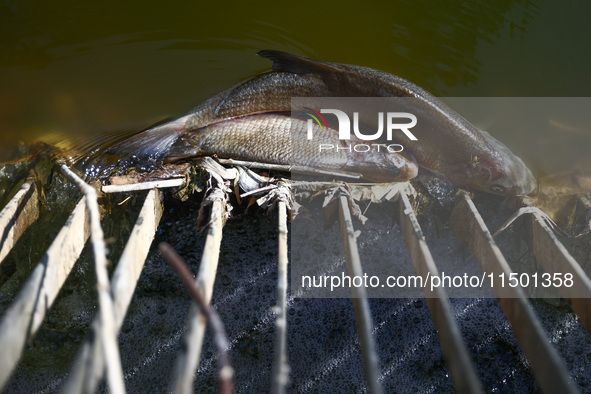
{"x": 18, "y": 214}
{"x": 25, "y": 315}
{"x": 108, "y": 333}
{"x": 290, "y": 168}
{"x": 130, "y": 187}
{"x": 360, "y": 304}
{"x": 262, "y": 189}
{"x": 531, "y": 210}
{"x": 188, "y": 358}
{"x": 280, "y": 370}
{"x": 89, "y": 366}
{"x": 225, "y": 370}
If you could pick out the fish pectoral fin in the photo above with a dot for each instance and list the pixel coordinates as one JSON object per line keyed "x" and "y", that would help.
{"x": 296, "y": 64}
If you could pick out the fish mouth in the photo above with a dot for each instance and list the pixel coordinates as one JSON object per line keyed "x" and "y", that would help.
{"x": 410, "y": 168}
{"x": 504, "y": 176}
{"x": 521, "y": 179}
{"x": 517, "y": 180}
{"x": 395, "y": 167}
{"x": 501, "y": 173}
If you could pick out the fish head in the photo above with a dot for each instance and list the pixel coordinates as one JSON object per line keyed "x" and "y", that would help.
{"x": 390, "y": 167}
{"x": 401, "y": 166}
{"x": 498, "y": 171}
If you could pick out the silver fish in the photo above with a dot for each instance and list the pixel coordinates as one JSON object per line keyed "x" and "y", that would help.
{"x": 449, "y": 144}
{"x": 282, "y": 139}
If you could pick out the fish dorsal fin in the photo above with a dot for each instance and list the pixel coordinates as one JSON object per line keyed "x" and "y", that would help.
{"x": 296, "y": 64}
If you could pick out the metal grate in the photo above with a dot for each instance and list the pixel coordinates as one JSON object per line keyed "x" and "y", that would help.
{"x": 99, "y": 354}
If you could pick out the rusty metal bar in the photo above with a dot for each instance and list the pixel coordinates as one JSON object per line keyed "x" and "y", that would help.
{"x": 280, "y": 370}
{"x": 89, "y": 365}
{"x": 546, "y": 364}
{"x": 108, "y": 333}
{"x": 455, "y": 352}
{"x": 25, "y": 315}
{"x": 554, "y": 257}
{"x": 359, "y": 295}
{"x": 188, "y": 357}
{"x": 20, "y": 212}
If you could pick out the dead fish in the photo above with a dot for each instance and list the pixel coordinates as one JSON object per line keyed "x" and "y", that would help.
{"x": 448, "y": 145}
{"x": 281, "y": 139}
{"x": 273, "y": 138}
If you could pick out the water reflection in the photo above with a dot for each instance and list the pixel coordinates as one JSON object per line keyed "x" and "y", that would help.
{"x": 443, "y": 45}
{"x": 74, "y": 69}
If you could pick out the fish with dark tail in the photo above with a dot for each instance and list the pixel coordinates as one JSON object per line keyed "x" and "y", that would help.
{"x": 227, "y": 123}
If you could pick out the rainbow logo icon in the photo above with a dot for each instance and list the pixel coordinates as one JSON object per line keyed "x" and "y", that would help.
{"x": 317, "y": 117}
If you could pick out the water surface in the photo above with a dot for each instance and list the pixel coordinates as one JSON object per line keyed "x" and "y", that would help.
{"x": 76, "y": 68}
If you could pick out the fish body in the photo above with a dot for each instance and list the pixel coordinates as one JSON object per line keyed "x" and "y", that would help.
{"x": 447, "y": 143}
{"x": 281, "y": 139}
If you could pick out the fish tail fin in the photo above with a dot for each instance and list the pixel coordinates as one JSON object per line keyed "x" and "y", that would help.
{"x": 145, "y": 150}
{"x": 87, "y": 145}
{"x": 153, "y": 143}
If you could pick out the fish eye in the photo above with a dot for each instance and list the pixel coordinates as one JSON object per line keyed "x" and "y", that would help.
{"x": 497, "y": 188}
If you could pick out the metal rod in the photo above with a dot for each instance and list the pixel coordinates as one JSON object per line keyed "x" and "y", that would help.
{"x": 108, "y": 332}
{"x": 188, "y": 358}
{"x": 20, "y": 212}
{"x": 280, "y": 370}
{"x": 89, "y": 366}
{"x": 25, "y": 315}
{"x": 546, "y": 364}
{"x": 359, "y": 295}
{"x": 225, "y": 370}
{"x": 460, "y": 365}
{"x": 554, "y": 257}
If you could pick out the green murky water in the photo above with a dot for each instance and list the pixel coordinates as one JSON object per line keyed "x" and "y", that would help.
{"x": 74, "y": 68}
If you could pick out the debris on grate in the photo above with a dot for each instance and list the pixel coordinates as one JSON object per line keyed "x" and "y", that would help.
{"x": 219, "y": 186}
